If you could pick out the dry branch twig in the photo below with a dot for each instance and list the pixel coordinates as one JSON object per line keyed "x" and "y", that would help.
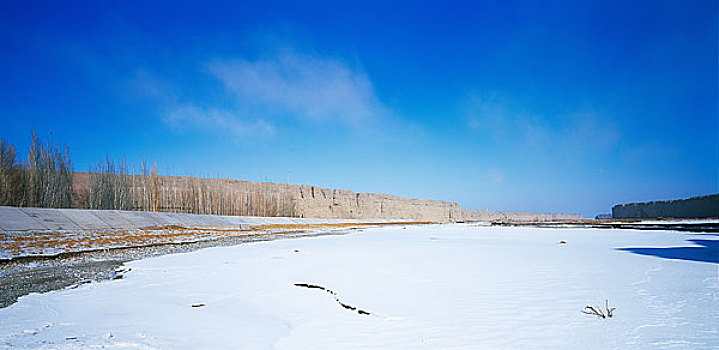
{"x": 597, "y": 310}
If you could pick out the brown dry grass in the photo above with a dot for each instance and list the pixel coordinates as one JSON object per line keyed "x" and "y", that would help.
{"x": 53, "y": 242}
{"x": 318, "y": 226}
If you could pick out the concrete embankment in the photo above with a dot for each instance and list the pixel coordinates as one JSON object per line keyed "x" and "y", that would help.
{"x": 38, "y": 219}
{"x": 39, "y": 232}
{"x": 517, "y": 217}
{"x": 695, "y": 207}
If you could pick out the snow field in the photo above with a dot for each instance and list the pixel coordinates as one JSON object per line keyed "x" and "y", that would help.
{"x": 429, "y": 286}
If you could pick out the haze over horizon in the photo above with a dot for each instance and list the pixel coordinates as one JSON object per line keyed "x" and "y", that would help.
{"x": 559, "y": 107}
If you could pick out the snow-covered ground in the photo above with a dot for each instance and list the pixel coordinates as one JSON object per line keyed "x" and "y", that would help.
{"x": 679, "y": 221}
{"x": 435, "y": 287}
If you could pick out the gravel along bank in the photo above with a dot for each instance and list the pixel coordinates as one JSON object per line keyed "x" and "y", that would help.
{"x": 22, "y": 276}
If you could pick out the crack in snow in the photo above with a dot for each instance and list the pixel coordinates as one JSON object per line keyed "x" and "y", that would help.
{"x": 334, "y": 295}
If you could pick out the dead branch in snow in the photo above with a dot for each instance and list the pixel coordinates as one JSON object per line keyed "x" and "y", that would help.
{"x": 597, "y": 310}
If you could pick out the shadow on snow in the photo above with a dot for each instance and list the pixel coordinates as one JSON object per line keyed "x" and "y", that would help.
{"x": 708, "y": 251}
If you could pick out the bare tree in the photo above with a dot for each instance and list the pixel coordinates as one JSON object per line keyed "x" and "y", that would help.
{"x": 12, "y": 181}
{"x": 46, "y": 180}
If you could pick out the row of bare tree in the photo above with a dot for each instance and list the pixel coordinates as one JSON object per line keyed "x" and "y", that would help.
{"x": 47, "y": 179}
{"x": 117, "y": 186}
{"x": 43, "y": 180}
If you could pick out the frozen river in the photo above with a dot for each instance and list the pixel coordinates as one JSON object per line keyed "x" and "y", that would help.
{"x": 435, "y": 287}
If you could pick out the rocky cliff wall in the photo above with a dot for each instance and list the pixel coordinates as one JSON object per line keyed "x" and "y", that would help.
{"x": 516, "y": 216}
{"x": 315, "y": 202}
{"x": 275, "y": 199}
{"x": 246, "y": 198}
{"x": 695, "y": 207}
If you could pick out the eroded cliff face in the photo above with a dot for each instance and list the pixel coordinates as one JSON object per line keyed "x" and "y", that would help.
{"x": 517, "y": 216}
{"x": 695, "y": 207}
{"x": 235, "y": 197}
{"x": 247, "y": 198}
{"x": 319, "y": 202}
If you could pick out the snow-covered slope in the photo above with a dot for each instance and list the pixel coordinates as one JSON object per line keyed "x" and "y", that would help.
{"x": 435, "y": 287}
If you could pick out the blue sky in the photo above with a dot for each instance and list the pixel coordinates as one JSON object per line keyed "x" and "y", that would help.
{"x": 507, "y": 105}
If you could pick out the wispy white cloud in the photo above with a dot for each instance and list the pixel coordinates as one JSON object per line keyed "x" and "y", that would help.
{"x": 182, "y": 116}
{"x": 260, "y": 97}
{"x": 495, "y": 175}
{"x": 302, "y": 86}
{"x": 148, "y": 85}
{"x": 190, "y": 117}
{"x": 589, "y": 130}
{"x": 514, "y": 124}
{"x": 486, "y": 115}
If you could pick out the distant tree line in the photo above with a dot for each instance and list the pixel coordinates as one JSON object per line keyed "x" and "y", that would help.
{"x": 47, "y": 179}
